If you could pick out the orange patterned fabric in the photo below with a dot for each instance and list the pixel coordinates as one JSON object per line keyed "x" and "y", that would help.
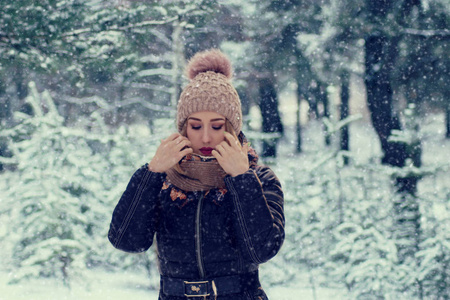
{"x": 181, "y": 198}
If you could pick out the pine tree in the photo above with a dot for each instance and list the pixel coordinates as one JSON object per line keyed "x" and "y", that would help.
{"x": 434, "y": 264}
{"x": 50, "y": 192}
{"x": 365, "y": 260}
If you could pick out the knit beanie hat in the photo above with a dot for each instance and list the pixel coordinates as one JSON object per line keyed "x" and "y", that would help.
{"x": 210, "y": 89}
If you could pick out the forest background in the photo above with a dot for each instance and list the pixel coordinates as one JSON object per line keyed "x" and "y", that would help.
{"x": 89, "y": 87}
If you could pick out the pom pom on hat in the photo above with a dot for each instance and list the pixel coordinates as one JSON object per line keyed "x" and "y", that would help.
{"x": 212, "y": 60}
{"x": 210, "y": 89}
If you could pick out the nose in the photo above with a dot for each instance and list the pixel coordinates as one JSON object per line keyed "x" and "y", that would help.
{"x": 206, "y": 138}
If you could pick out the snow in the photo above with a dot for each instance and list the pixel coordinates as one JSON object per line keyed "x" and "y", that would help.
{"x": 318, "y": 259}
{"x": 102, "y": 285}
{"x": 71, "y": 162}
{"x": 118, "y": 286}
{"x": 96, "y": 283}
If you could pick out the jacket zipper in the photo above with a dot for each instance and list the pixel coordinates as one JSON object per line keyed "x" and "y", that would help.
{"x": 198, "y": 244}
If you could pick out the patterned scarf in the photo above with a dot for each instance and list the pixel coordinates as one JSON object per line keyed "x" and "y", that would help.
{"x": 201, "y": 173}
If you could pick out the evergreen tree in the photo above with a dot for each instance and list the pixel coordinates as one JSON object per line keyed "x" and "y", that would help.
{"x": 366, "y": 260}
{"x": 434, "y": 263}
{"x": 34, "y": 38}
{"x": 50, "y": 193}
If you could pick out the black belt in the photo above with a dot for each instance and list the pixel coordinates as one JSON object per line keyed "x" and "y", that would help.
{"x": 212, "y": 288}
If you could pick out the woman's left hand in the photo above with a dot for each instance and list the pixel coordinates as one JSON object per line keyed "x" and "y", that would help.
{"x": 231, "y": 156}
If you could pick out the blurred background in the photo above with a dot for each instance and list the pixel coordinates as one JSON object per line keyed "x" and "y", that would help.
{"x": 347, "y": 101}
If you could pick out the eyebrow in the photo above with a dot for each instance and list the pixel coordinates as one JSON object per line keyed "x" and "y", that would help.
{"x": 212, "y": 120}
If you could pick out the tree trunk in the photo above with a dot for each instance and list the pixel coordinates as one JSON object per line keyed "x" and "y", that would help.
{"x": 326, "y": 114}
{"x": 379, "y": 97}
{"x": 21, "y": 85}
{"x": 271, "y": 121}
{"x": 345, "y": 95}
{"x": 177, "y": 63}
{"x": 5, "y": 115}
{"x": 447, "y": 121}
{"x": 298, "y": 126}
{"x": 313, "y": 110}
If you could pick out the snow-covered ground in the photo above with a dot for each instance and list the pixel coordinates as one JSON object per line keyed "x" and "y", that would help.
{"x": 119, "y": 286}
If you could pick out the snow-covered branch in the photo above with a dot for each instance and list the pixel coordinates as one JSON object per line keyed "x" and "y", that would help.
{"x": 146, "y": 104}
{"x": 82, "y": 31}
{"x": 438, "y": 33}
{"x": 103, "y": 104}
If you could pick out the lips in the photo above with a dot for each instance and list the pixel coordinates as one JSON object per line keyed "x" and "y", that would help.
{"x": 206, "y": 151}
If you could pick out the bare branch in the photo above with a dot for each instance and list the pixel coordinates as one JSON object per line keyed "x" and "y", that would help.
{"x": 99, "y": 101}
{"x": 148, "y": 86}
{"x": 439, "y": 33}
{"x": 120, "y": 28}
{"x": 146, "y": 104}
{"x": 105, "y": 106}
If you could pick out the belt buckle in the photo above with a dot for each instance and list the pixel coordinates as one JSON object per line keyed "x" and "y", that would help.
{"x": 196, "y": 289}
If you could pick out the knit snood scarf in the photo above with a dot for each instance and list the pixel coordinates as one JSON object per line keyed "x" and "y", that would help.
{"x": 200, "y": 173}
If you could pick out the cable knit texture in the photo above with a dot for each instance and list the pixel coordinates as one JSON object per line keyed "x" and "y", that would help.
{"x": 200, "y": 174}
{"x": 210, "y": 89}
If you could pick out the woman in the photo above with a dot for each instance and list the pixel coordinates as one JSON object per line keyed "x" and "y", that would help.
{"x": 216, "y": 213}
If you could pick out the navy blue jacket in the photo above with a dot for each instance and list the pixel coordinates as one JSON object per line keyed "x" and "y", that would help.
{"x": 202, "y": 235}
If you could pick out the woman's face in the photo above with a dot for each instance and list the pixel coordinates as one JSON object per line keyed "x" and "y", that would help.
{"x": 205, "y": 130}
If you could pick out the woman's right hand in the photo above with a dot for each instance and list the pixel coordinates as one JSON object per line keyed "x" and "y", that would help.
{"x": 169, "y": 153}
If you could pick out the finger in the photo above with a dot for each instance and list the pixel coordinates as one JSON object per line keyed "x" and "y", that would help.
{"x": 178, "y": 140}
{"x": 245, "y": 148}
{"x": 187, "y": 143}
{"x": 217, "y": 156}
{"x": 228, "y": 148}
{"x": 221, "y": 148}
{"x": 185, "y": 152}
{"x": 183, "y": 144}
{"x": 232, "y": 141}
{"x": 173, "y": 136}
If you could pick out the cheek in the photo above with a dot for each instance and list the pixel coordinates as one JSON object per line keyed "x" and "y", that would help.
{"x": 219, "y": 137}
{"x": 192, "y": 136}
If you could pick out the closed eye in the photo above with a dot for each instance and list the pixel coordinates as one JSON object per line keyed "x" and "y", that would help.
{"x": 217, "y": 127}
{"x": 196, "y": 127}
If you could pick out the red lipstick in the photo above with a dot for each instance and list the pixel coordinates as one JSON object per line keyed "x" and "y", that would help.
{"x": 206, "y": 151}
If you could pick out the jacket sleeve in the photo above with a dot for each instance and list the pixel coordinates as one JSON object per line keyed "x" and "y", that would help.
{"x": 258, "y": 211}
{"x": 135, "y": 218}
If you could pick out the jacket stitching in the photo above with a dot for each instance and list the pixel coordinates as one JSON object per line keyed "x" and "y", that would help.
{"x": 133, "y": 206}
{"x": 244, "y": 228}
{"x": 134, "y": 203}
